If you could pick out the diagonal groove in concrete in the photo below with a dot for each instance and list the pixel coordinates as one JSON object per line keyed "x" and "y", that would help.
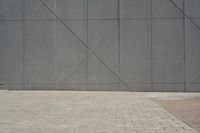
{"x": 13, "y": 5}
{"x": 100, "y": 44}
{"x": 87, "y": 55}
{"x": 196, "y": 25}
{"x": 88, "y": 48}
{"x": 184, "y": 14}
{"x": 195, "y": 76}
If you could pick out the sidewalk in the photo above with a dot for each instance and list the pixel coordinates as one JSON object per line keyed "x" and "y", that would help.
{"x": 85, "y": 112}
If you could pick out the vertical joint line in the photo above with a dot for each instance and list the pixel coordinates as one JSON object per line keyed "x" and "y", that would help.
{"x": 54, "y": 47}
{"x": 184, "y": 45}
{"x": 23, "y": 43}
{"x": 151, "y": 50}
{"x": 119, "y": 36}
{"x": 87, "y": 44}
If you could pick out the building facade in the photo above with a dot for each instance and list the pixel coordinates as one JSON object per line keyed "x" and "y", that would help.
{"x": 100, "y": 45}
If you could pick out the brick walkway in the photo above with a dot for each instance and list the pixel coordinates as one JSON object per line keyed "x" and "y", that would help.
{"x": 84, "y": 112}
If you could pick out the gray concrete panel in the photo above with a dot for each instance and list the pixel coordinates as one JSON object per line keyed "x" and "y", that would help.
{"x": 71, "y": 9}
{"x": 135, "y": 64}
{"x": 100, "y": 31}
{"x": 39, "y": 41}
{"x": 11, "y": 73}
{"x": 78, "y": 75}
{"x": 193, "y": 87}
{"x": 168, "y": 51}
{"x": 12, "y": 86}
{"x": 192, "y": 8}
{"x": 38, "y": 72}
{"x": 11, "y": 9}
{"x": 165, "y": 9}
{"x": 68, "y": 53}
{"x": 101, "y": 9}
{"x": 34, "y": 9}
{"x": 168, "y": 87}
{"x": 38, "y": 53}
{"x": 107, "y": 87}
{"x": 105, "y": 42}
{"x": 79, "y": 27}
{"x": 135, "y": 8}
{"x": 39, "y": 86}
{"x": 11, "y": 42}
{"x": 72, "y": 87}
{"x": 98, "y": 73}
{"x": 192, "y": 52}
{"x": 11, "y": 52}
{"x": 140, "y": 87}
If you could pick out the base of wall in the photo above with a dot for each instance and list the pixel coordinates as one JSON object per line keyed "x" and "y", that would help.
{"x": 105, "y": 87}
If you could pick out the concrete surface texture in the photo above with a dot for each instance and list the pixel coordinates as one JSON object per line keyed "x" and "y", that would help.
{"x": 110, "y": 45}
{"x": 185, "y": 106}
{"x": 85, "y": 112}
{"x": 187, "y": 110}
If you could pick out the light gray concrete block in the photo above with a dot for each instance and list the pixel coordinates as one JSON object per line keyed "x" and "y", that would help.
{"x": 168, "y": 51}
{"x": 103, "y": 37}
{"x": 165, "y": 9}
{"x": 71, "y": 9}
{"x": 192, "y": 52}
{"x": 12, "y": 86}
{"x": 34, "y": 9}
{"x": 72, "y": 87}
{"x": 192, "y": 8}
{"x": 140, "y": 87}
{"x": 135, "y": 64}
{"x": 79, "y": 27}
{"x": 38, "y": 72}
{"x": 11, "y": 52}
{"x": 78, "y": 75}
{"x": 179, "y": 3}
{"x": 101, "y": 9}
{"x": 69, "y": 53}
{"x": 193, "y": 87}
{"x": 168, "y": 87}
{"x": 99, "y": 73}
{"x": 135, "y": 8}
{"x": 107, "y": 87}
{"x": 11, "y": 42}
{"x": 11, "y": 9}
{"x": 39, "y": 40}
{"x": 11, "y": 73}
{"x": 39, "y": 86}
{"x": 196, "y": 21}
{"x": 99, "y": 31}
{"x": 39, "y": 52}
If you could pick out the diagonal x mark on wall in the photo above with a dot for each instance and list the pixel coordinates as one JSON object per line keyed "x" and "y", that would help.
{"x": 88, "y": 48}
{"x": 87, "y": 55}
{"x": 117, "y": 27}
{"x": 196, "y": 25}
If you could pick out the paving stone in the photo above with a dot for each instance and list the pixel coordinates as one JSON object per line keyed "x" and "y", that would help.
{"x": 85, "y": 112}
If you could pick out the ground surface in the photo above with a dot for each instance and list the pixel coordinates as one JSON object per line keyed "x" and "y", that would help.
{"x": 85, "y": 112}
{"x": 187, "y": 110}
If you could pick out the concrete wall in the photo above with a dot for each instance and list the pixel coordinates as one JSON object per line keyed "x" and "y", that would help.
{"x": 138, "y": 45}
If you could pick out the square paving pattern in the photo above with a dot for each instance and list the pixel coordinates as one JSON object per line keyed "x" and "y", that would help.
{"x": 84, "y": 112}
